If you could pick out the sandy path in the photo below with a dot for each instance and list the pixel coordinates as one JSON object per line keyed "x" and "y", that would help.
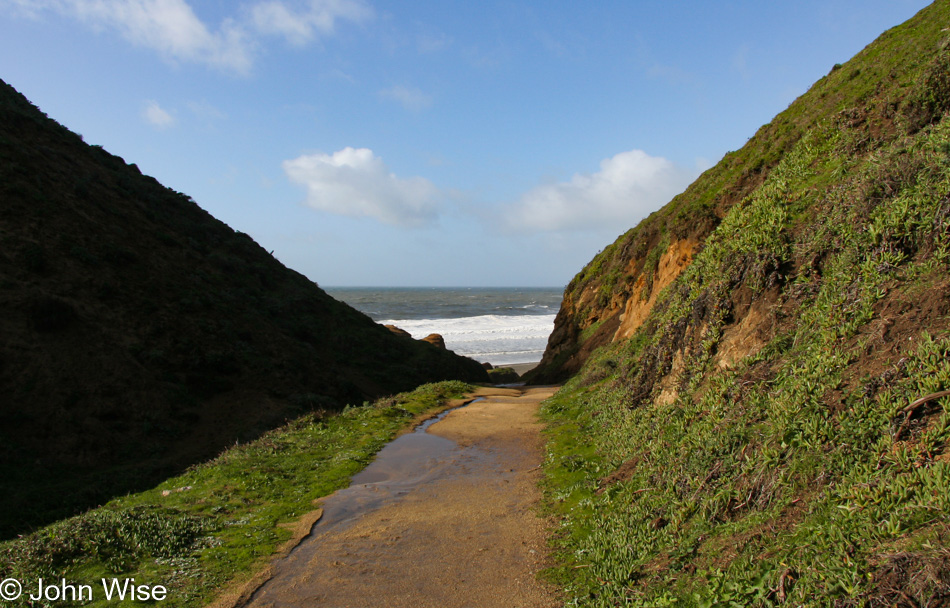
{"x": 466, "y": 537}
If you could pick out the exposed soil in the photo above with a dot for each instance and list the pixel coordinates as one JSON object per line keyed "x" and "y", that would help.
{"x": 638, "y": 306}
{"x": 461, "y": 530}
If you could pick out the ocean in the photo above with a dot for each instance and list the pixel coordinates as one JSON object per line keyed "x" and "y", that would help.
{"x": 500, "y": 325}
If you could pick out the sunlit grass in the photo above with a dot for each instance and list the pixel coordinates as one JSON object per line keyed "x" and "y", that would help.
{"x": 794, "y": 476}
{"x": 220, "y": 520}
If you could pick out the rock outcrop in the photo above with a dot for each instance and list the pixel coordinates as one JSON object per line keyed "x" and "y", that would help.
{"x": 435, "y": 340}
{"x": 397, "y": 331}
{"x": 504, "y": 375}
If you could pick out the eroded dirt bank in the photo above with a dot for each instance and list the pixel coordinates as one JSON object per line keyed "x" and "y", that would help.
{"x": 467, "y": 535}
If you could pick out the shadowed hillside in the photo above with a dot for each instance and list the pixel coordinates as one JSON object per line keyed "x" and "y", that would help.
{"x": 758, "y": 407}
{"x": 140, "y": 335}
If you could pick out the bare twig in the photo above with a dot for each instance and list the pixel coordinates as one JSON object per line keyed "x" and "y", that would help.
{"x": 915, "y": 404}
{"x": 781, "y": 587}
{"x": 907, "y": 411}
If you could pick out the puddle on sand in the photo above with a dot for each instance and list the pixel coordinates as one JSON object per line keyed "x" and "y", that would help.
{"x": 402, "y": 465}
{"x": 423, "y": 497}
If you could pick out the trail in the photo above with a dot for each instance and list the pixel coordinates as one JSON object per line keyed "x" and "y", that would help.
{"x": 447, "y": 520}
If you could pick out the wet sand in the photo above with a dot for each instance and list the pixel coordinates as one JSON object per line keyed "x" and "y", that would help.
{"x": 446, "y": 520}
{"x": 522, "y": 368}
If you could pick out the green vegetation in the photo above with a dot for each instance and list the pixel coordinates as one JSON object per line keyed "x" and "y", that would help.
{"x": 503, "y": 375}
{"x": 774, "y": 433}
{"x": 894, "y": 86}
{"x": 219, "y": 521}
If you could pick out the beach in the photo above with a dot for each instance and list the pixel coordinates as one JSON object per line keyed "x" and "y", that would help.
{"x": 503, "y": 326}
{"x": 522, "y": 368}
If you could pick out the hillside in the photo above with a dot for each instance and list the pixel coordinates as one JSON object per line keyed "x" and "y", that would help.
{"x": 140, "y": 335}
{"x": 757, "y": 410}
{"x": 872, "y": 100}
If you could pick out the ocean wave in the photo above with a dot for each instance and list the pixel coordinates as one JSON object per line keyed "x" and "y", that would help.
{"x": 497, "y": 339}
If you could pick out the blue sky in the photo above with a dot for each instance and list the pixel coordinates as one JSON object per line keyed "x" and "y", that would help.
{"x": 418, "y": 143}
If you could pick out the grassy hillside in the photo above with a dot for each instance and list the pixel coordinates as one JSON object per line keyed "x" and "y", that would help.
{"x": 140, "y": 335}
{"x": 874, "y": 98}
{"x": 203, "y": 534}
{"x": 758, "y": 413}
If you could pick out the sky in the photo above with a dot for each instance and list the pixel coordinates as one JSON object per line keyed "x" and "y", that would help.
{"x": 428, "y": 143}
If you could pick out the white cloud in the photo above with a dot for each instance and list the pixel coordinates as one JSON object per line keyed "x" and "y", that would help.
{"x": 356, "y": 182}
{"x": 412, "y": 99}
{"x": 157, "y": 116}
{"x": 167, "y": 26}
{"x": 298, "y": 25}
{"x": 740, "y": 62}
{"x": 432, "y": 43}
{"x": 21, "y": 8}
{"x": 206, "y": 111}
{"x": 172, "y": 28}
{"x": 628, "y": 187}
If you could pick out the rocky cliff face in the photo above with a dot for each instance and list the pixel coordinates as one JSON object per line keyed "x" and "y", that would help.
{"x": 140, "y": 335}
{"x": 589, "y": 319}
